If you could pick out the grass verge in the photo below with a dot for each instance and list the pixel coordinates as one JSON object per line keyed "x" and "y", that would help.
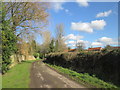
{"x": 83, "y": 78}
{"x": 18, "y": 76}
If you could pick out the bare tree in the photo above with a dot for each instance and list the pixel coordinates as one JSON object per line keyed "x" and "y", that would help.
{"x": 26, "y": 19}
{"x": 25, "y": 15}
{"x": 23, "y": 48}
{"x": 60, "y": 43}
{"x": 46, "y": 41}
{"x": 80, "y": 46}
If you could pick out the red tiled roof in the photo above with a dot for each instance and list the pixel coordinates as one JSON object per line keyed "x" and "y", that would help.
{"x": 71, "y": 50}
{"x": 116, "y": 47}
{"x": 97, "y": 48}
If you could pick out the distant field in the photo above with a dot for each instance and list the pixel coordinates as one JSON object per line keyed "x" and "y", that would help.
{"x": 18, "y": 76}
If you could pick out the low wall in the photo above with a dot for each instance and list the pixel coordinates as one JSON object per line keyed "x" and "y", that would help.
{"x": 16, "y": 58}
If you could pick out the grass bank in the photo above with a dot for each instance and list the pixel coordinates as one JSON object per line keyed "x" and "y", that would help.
{"x": 18, "y": 76}
{"x": 83, "y": 78}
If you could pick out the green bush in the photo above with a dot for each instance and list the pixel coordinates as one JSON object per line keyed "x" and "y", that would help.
{"x": 41, "y": 55}
{"x": 36, "y": 55}
{"x": 103, "y": 65}
{"x": 8, "y": 39}
{"x": 8, "y": 45}
{"x": 92, "y": 81}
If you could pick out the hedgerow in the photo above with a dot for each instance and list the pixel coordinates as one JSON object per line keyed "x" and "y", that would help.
{"x": 104, "y": 65}
{"x": 8, "y": 43}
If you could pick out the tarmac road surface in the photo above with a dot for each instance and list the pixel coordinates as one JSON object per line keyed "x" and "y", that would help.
{"x": 44, "y": 77}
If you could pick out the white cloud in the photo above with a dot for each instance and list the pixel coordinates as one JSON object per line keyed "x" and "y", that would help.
{"x": 104, "y": 14}
{"x": 80, "y": 26}
{"x": 57, "y": 6}
{"x": 103, "y": 41}
{"x": 82, "y": 3}
{"x": 88, "y": 27}
{"x": 96, "y": 44}
{"x": 82, "y": 41}
{"x": 86, "y": 43}
{"x": 70, "y": 42}
{"x": 72, "y": 37}
{"x": 100, "y": 42}
{"x": 98, "y": 24}
{"x": 108, "y": 41}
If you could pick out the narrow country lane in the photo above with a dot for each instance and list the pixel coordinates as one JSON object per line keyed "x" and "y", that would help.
{"x": 44, "y": 77}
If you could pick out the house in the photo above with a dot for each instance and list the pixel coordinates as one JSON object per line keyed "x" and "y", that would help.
{"x": 95, "y": 49}
{"x": 116, "y": 47}
{"x": 113, "y": 48}
{"x": 72, "y": 50}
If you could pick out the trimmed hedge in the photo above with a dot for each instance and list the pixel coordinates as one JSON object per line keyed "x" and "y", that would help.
{"x": 104, "y": 66}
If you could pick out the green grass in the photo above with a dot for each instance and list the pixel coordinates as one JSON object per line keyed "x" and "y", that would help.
{"x": 0, "y": 81}
{"x": 39, "y": 59}
{"x": 18, "y": 76}
{"x": 85, "y": 79}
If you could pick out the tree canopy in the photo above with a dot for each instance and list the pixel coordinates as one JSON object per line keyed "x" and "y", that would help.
{"x": 19, "y": 21}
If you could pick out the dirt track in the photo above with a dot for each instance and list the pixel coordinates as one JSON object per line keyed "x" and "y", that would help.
{"x": 44, "y": 77}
